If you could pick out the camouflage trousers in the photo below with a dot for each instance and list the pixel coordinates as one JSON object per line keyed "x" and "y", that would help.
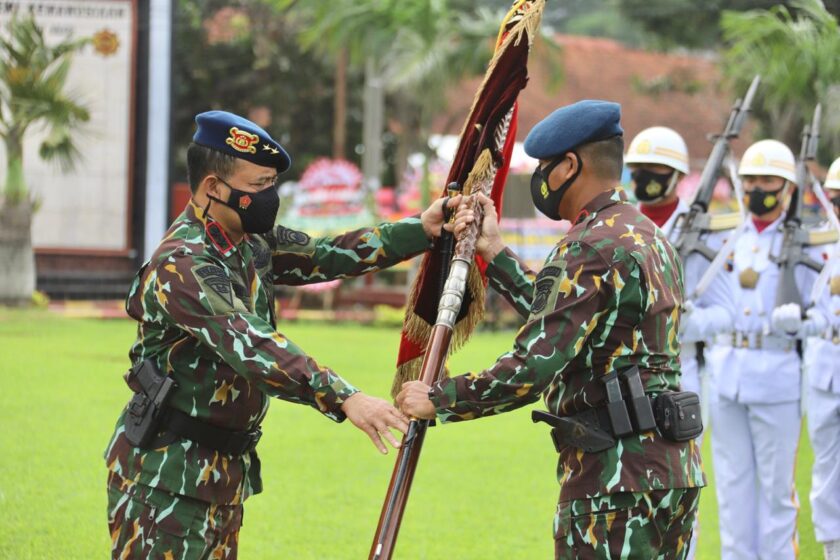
{"x": 627, "y": 525}
{"x": 147, "y": 522}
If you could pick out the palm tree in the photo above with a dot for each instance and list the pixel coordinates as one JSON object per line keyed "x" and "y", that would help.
{"x": 797, "y": 52}
{"x": 410, "y": 50}
{"x": 33, "y": 93}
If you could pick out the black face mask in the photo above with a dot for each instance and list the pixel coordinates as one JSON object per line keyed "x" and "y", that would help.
{"x": 762, "y": 202}
{"x": 257, "y": 211}
{"x": 546, "y": 200}
{"x": 649, "y": 186}
{"x": 836, "y": 202}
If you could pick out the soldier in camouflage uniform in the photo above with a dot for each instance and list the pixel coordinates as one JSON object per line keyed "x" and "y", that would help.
{"x": 204, "y": 304}
{"x": 607, "y": 298}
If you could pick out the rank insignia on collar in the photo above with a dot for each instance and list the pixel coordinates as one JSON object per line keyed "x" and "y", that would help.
{"x": 242, "y": 141}
{"x": 218, "y": 237}
{"x": 245, "y": 202}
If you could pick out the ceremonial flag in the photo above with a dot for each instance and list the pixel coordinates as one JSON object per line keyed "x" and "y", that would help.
{"x": 485, "y": 146}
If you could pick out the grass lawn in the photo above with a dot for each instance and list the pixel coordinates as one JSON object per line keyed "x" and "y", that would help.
{"x": 483, "y": 489}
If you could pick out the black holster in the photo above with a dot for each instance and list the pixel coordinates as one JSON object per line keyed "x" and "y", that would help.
{"x": 147, "y": 407}
{"x": 583, "y": 430}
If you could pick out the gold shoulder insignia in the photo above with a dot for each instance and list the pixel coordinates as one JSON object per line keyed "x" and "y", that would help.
{"x": 822, "y": 237}
{"x": 723, "y": 222}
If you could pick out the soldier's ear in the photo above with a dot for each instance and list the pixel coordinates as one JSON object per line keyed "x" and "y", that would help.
{"x": 212, "y": 186}
{"x": 574, "y": 163}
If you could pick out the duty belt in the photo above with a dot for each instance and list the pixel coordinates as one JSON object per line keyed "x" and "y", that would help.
{"x": 152, "y": 423}
{"x": 757, "y": 341}
{"x": 676, "y": 416}
{"x": 832, "y": 334}
{"x": 597, "y": 429}
{"x": 225, "y": 441}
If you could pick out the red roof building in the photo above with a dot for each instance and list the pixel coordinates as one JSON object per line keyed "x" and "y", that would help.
{"x": 681, "y": 91}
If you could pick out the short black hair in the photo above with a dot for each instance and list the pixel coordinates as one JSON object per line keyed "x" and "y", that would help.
{"x": 605, "y": 158}
{"x": 203, "y": 161}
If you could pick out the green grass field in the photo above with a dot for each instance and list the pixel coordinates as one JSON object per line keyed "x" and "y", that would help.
{"x": 483, "y": 489}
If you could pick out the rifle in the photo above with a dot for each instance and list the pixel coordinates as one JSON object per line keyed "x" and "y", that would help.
{"x": 697, "y": 220}
{"x": 831, "y": 263}
{"x": 796, "y": 237}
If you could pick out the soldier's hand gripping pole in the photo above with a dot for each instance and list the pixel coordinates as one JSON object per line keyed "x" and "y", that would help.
{"x": 697, "y": 220}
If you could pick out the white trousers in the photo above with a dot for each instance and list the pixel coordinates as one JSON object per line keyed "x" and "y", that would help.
{"x": 754, "y": 451}
{"x": 690, "y": 381}
{"x": 824, "y": 431}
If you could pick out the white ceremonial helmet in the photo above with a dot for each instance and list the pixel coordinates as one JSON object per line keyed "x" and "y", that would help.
{"x": 661, "y": 145}
{"x": 832, "y": 180}
{"x": 769, "y": 157}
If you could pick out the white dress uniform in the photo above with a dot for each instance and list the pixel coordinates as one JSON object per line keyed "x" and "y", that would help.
{"x": 756, "y": 410}
{"x": 713, "y": 311}
{"x": 822, "y": 366}
{"x": 713, "y": 314}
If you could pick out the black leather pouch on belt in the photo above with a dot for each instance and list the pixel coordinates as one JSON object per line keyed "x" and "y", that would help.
{"x": 146, "y": 408}
{"x": 678, "y": 415}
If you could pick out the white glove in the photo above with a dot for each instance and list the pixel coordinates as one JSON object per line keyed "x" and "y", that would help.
{"x": 815, "y": 324}
{"x": 691, "y": 327}
{"x": 787, "y": 319}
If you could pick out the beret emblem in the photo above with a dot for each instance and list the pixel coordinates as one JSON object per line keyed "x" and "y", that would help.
{"x": 242, "y": 141}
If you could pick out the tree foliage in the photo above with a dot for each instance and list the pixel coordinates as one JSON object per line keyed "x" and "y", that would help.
{"x": 796, "y": 50}
{"x": 33, "y": 92}
{"x": 420, "y": 49}
{"x": 690, "y": 23}
{"x": 243, "y": 57}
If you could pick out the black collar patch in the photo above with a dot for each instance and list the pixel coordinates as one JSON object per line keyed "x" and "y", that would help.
{"x": 219, "y": 238}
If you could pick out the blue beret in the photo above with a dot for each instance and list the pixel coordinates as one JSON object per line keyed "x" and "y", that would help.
{"x": 568, "y": 127}
{"x": 240, "y": 138}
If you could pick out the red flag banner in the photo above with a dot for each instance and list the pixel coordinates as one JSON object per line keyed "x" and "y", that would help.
{"x": 481, "y": 164}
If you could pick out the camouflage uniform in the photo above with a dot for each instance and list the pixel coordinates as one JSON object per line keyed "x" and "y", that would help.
{"x": 205, "y": 310}
{"x": 607, "y": 298}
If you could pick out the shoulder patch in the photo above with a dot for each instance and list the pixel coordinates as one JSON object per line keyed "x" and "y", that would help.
{"x": 214, "y": 277}
{"x": 262, "y": 256}
{"x": 286, "y": 236}
{"x": 543, "y": 286}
